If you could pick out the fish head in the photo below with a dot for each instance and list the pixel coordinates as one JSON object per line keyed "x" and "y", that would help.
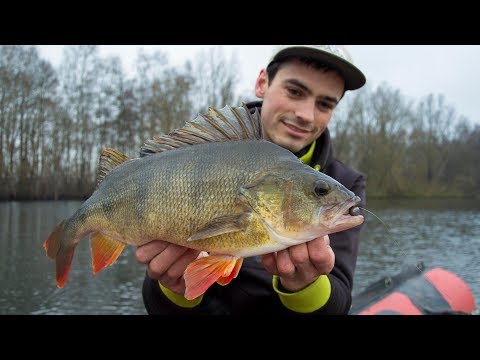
{"x": 297, "y": 203}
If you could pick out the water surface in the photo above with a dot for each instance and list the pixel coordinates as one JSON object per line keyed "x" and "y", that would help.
{"x": 439, "y": 233}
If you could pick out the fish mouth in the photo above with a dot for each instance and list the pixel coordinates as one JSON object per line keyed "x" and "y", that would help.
{"x": 349, "y": 203}
{"x": 341, "y": 217}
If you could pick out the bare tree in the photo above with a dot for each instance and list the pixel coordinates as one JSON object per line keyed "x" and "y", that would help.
{"x": 434, "y": 124}
{"x": 27, "y": 84}
{"x": 216, "y": 78}
{"x": 53, "y": 124}
{"x": 79, "y": 73}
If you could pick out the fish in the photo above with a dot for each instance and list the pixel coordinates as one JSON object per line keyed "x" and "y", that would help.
{"x": 214, "y": 185}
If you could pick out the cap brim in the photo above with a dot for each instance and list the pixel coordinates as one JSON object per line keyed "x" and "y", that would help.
{"x": 354, "y": 78}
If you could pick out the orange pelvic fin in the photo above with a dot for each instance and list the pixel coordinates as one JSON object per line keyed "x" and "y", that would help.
{"x": 105, "y": 251}
{"x": 224, "y": 280}
{"x": 203, "y": 272}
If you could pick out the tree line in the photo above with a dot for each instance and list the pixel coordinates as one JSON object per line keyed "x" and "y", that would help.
{"x": 55, "y": 121}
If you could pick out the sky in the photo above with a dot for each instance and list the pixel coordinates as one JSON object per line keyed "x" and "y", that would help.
{"x": 416, "y": 70}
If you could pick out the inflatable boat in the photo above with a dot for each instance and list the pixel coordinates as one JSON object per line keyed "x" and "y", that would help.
{"x": 416, "y": 291}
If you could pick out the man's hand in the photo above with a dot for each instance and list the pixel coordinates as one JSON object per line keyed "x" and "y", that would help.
{"x": 300, "y": 265}
{"x": 166, "y": 263}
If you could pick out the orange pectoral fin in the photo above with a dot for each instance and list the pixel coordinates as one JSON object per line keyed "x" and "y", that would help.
{"x": 224, "y": 280}
{"x": 203, "y": 272}
{"x": 105, "y": 251}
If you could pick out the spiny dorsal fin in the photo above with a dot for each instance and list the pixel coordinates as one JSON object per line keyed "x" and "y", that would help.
{"x": 109, "y": 159}
{"x": 217, "y": 125}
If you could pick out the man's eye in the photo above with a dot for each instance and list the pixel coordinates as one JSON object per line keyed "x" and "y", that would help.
{"x": 325, "y": 105}
{"x": 294, "y": 92}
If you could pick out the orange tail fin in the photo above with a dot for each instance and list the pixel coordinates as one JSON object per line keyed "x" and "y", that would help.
{"x": 58, "y": 250}
{"x": 203, "y": 272}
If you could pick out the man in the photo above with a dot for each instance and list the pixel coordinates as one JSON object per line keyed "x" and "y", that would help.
{"x": 300, "y": 88}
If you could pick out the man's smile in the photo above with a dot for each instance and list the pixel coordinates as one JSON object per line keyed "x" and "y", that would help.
{"x": 295, "y": 130}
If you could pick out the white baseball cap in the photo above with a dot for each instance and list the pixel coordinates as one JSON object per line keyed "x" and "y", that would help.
{"x": 335, "y": 56}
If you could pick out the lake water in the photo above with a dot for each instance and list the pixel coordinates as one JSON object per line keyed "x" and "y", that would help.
{"x": 440, "y": 233}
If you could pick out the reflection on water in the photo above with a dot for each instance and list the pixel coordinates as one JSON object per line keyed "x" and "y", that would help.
{"x": 439, "y": 233}
{"x": 28, "y": 276}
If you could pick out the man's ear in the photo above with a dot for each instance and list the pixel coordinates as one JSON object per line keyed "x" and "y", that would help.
{"x": 261, "y": 84}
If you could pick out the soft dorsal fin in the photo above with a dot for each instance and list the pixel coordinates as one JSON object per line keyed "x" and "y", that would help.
{"x": 109, "y": 160}
{"x": 217, "y": 125}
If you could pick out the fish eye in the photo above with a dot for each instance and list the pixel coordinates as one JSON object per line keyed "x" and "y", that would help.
{"x": 321, "y": 188}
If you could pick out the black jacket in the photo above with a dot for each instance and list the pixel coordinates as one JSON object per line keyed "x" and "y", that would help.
{"x": 251, "y": 293}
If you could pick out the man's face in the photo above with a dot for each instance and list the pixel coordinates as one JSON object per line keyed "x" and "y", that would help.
{"x": 298, "y": 104}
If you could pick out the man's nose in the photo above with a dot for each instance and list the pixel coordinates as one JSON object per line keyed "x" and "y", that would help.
{"x": 306, "y": 112}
